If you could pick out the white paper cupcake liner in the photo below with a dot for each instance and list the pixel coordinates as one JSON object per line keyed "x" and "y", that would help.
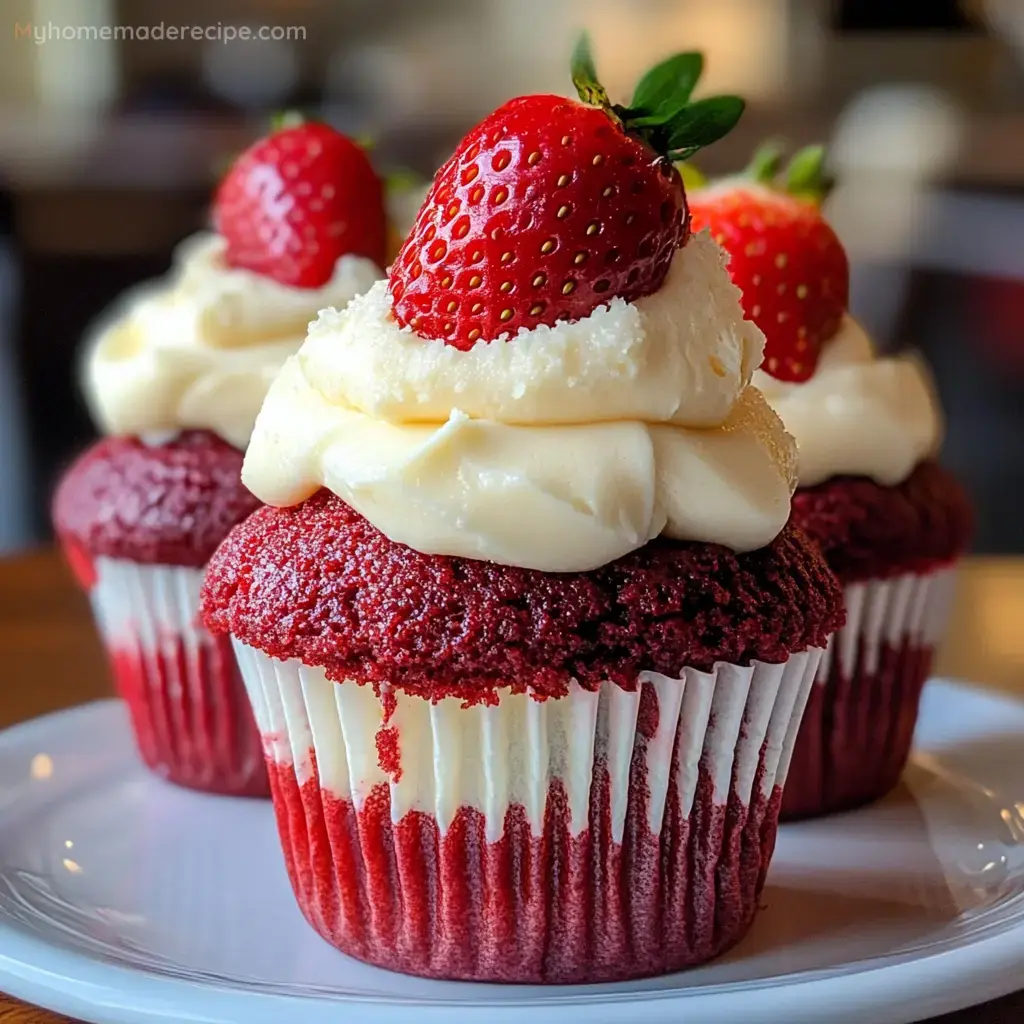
{"x": 856, "y": 733}
{"x": 907, "y": 609}
{"x": 606, "y": 834}
{"x": 193, "y": 722}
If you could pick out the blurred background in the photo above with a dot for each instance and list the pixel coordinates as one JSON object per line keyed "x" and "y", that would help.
{"x": 109, "y": 149}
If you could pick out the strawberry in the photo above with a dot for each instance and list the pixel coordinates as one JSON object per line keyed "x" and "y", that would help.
{"x": 297, "y": 200}
{"x": 550, "y": 208}
{"x": 783, "y": 256}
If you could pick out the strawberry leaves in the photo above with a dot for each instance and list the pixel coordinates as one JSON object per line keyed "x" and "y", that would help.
{"x": 661, "y": 112}
{"x": 699, "y": 124}
{"x": 766, "y": 163}
{"x": 806, "y": 176}
{"x": 666, "y": 89}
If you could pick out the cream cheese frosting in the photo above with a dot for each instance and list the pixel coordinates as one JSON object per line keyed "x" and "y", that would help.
{"x": 200, "y": 348}
{"x": 560, "y": 449}
{"x": 858, "y": 415}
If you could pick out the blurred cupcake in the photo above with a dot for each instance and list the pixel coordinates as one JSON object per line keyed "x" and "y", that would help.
{"x": 174, "y": 379}
{"x": 526, "y": 634}
{"x": 891, "y": 522}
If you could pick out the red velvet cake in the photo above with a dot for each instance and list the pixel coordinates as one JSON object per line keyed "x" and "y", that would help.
{"x": 170, "y": 503}
{"x": 470, "y": 627}
{"x": 869, "y": 532}
{"x": 175, "y": 376}
{"x": 889, "y": 520}
{"x": 525, "y": 631}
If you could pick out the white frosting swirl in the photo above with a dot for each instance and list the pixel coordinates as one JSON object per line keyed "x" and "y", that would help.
{"x": 559, "y": 449}
{"x": 200, "y": 348}
{"x": 858, "y": 415}
{"x": 681, "y": 355}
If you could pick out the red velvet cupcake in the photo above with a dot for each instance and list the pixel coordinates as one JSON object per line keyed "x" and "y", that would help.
{"x": 895, "y": 551}
{"x": 526, "y": 635}
{"x": 891, "y": 522}
{"x": 138, "y": 523}
{"x": 494, "y": 773}
{"x": 175, "y": 377}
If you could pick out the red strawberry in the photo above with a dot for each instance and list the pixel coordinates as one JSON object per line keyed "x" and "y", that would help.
{"x": 787, "y": 261}
{"x": 296, "y": 201}
{"x": 550, "y": 207}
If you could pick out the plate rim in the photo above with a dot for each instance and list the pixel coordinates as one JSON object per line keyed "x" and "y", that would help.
{"x": 79, "y": 985}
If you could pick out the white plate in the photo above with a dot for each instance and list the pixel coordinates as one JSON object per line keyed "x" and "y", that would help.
{"x": 123, "y": 899}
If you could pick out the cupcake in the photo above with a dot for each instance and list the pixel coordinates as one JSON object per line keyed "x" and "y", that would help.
{"x": 889, "y": 519}
{"x": 525, "y": 631}
{"x": 174, "y": 378}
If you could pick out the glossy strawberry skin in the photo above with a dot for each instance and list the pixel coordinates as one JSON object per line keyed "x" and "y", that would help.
{"x": 546, "y": 210}
{"x": 789, "y": 264}
{"x": 296, "y": 201}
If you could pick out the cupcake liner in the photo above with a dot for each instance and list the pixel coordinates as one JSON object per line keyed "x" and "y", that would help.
{"x": 604, "y": 835}
{"x": 856, "y": 734}
{"x": 192, "y": 720}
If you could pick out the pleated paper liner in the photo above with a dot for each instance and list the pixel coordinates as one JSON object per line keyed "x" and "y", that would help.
{"x": 857, "y": 731}
{"x": 192, "y": 720}
{"x": 604, "y": 835}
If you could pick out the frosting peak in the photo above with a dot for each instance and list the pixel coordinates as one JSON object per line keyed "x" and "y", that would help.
{"x": 200, "y": 348}
{"x": 560, "y": 449}
{"x": 859, "y": 415}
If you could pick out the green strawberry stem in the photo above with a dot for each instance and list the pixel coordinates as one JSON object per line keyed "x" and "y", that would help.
{"x": 661, "y": 112}
{"x": 282, "y": 119}
{"x": 766, "y": 163}
{"x": 806, "y": 176}
{"x": 584, "y": 76}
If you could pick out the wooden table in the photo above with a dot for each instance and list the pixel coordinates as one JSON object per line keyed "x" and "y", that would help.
{"x": 51, "y": 659}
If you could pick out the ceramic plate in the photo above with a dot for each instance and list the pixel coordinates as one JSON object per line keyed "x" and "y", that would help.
{"x": 125, "y": 900}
